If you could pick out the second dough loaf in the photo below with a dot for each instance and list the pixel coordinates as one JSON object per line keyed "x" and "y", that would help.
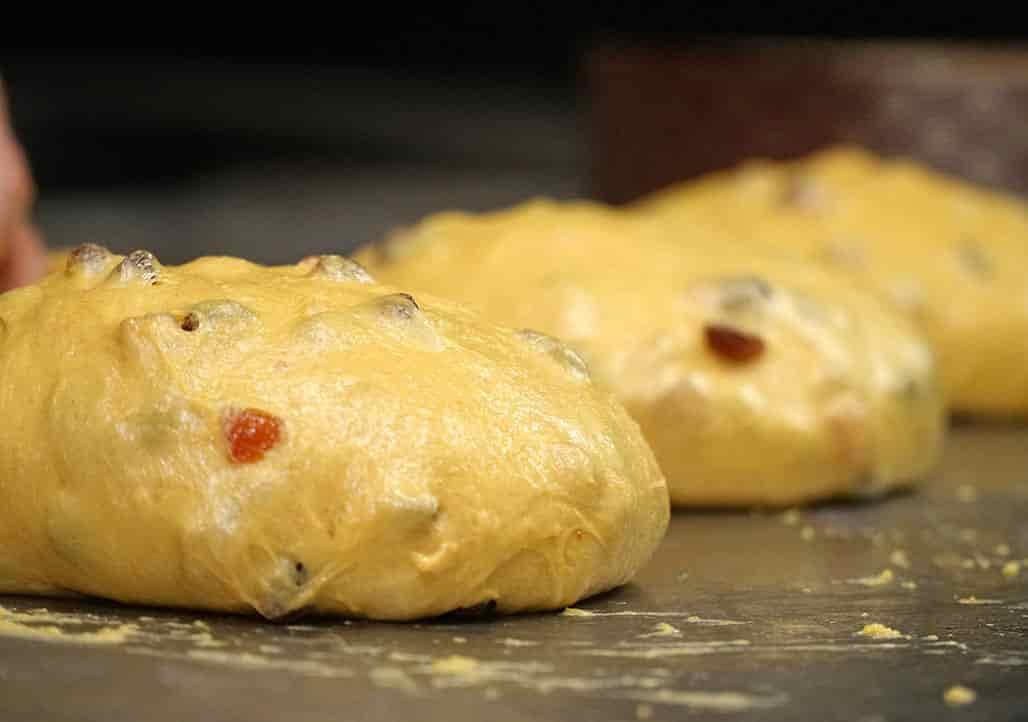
{"x": 757, "y": 380}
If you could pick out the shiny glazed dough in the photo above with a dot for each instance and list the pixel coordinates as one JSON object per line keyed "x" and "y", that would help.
{"x": 757, "y": 380}
{"x": 227, "y": 436}
{"x": 950, "y": 255}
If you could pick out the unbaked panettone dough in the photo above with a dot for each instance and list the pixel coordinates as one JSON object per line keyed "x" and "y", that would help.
{"x": 950, "y": 255}
{"x": 757, "y": 380}
{"x": 228, "y": 436}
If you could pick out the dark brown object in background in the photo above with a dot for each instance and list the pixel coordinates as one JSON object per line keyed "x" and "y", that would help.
{"x": 661, "y": 115}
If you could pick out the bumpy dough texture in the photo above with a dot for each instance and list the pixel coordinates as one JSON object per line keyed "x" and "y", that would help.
{"x": 952, "y": 256}
{"x": 228, "y": 436}
{"x": 757, "y": 380}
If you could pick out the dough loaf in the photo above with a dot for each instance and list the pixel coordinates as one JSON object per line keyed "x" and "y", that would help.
{"x": 226, "y": 436}
{"x": 950, "y": 255}
{"x": 756, "y": 379}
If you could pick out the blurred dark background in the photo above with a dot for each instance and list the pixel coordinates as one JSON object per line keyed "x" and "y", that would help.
{"x": 272, "y": 153}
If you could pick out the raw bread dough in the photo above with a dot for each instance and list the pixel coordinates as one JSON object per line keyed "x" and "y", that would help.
{"x": 228, "y": 436}
{"x": 757, "y": 380}
{"x": 952, "y": 256}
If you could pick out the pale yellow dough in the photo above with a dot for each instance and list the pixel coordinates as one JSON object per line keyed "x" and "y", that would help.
{"x": 426, "y": 460}
{"x": 844, "y": 399}
{"x": 950, "y": 255}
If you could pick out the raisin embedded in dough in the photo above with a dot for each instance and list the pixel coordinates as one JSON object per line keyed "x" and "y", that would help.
{"x": 338, "y": 268}
{"x": 190, "y": 322}
{"x": 732, "y": 344}
{"x": 567, "y": 357}
{"x": 88, "y": 258}
{"x": 139, "y": 266}
{"x": 251, "y": 433}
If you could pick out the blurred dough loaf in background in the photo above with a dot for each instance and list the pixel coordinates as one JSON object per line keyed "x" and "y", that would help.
{"x": 950, "y": 255}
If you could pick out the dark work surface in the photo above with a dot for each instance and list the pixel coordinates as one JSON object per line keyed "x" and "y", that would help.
{"x": 763, "y": 611}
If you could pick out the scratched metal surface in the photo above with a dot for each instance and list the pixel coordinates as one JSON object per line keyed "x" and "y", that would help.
{"x": 740, "y": 616}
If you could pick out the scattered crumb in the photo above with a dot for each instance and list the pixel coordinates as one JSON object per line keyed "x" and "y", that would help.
{"x": 975, "y": 600}
{"x": 643, "y": 711}
{"x": 982, "y": 562}
{"x": 455, "y": 664}
{"x": 663, "y": 629}
{"x": 11, "y": 626}
{"x": 930, "y": 638}
{"x": 807, "y": 533}
{"x": 1003, "y": 661}
{"x": 246, "y": 660}
{"x": 696, "y": 619}
{"x": 899, "y": 559}
{"x": 864, "y": 615}
{"x": 967, "y": 493}
{"x": 511, "y": 642}
{"x": 109, "y": 634}
{"x": 270, "y": 648}
{"x": 575, "y": 612}
{"x": 1011, "y": 569}
{"x": 908, "y": 585}
{"x": 1001, "y": 550}
{"x": 806, "y": 590}
{"x": 204, "y": 639}
{"x": 884, "y": 577}
{"x": 791, "y": 517}
{"x": 880, "y": 631}
{"x": 959, "y": 695}
{"x": 696, "y": 700}
{"x": 683, "y": 576}
{"x": 460, "y": 640}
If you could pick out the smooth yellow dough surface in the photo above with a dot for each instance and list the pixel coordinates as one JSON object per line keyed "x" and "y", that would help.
{"x": 842, "y": 400}
{"x": 423, "y": 460}
{"x": 950, "y": 255}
